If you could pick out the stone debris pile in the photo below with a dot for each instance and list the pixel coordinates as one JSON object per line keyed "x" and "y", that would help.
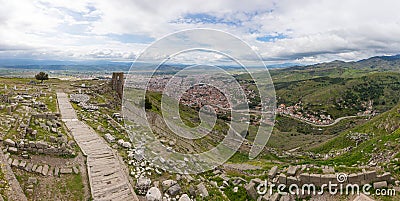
{"x": 82, "y": 101}
{"x": 79, "y": 98}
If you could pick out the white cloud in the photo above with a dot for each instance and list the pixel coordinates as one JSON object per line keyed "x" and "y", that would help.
{"x": 312, "y": 31}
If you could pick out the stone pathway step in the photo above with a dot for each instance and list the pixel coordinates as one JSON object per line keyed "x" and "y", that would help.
{"x": 107, "y": 178}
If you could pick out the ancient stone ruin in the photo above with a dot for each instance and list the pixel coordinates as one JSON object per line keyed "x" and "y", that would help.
{"x": 117, "y": 83}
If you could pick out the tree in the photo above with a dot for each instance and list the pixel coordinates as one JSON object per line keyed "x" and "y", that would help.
{"x": 42, "y": 76}
{"x": 147, "y": 104}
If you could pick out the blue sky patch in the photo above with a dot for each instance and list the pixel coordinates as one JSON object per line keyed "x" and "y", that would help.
{"x": 196, "y": 18}
{"x": 271, "y": 37}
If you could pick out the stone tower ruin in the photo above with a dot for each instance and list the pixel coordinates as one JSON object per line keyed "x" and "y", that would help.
{"x": 117, "y": 83}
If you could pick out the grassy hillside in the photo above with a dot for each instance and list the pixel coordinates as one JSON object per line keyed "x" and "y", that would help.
{"x": 191, "y": 118}
{"x": 338, "y": 69}
{"x": 337, "y": 96}
{"x": 383, "y": 136}
{"x": 342, "y": 96}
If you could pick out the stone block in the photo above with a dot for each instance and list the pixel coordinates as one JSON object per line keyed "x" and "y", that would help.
{"x": 282, "y": 179}
{"x": 15, "y": 163}
{"x": 292, "y": 180}
{"x": 22, "y": 164}
{"x": 45, "y": 170}
{"x": 109, "y": 138}
{"x": 34, "y": 167}
{"x": 353, "y": 178}
{"x": 304, "y": 178}
{"x": 292, "y": 170}
{"x": 9, "y": 142}
{"x": 65, "y": 170}
{"x": 202, "y": 190}
{"x": 56, "y": 171}
{"x": 39, "y": 169}
{"x": 315, "y": 179}
{"x": 41, "y": 145}
{"x": 28, "y": 167}
{"x": 369, "y": 176}
{"x": 251, "y": 190}
{"x": 384, "y": 177}
{"x": 50, "y": 172}
{"x": 380, "y": 184}
{"x": 272, "y": 172}
{"x": 13, "y": 150}
{"x": 75, "y": 169}
{"x": 325, "y": 179}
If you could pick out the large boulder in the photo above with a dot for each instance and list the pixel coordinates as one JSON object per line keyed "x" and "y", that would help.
{"x": 154, "y": 194}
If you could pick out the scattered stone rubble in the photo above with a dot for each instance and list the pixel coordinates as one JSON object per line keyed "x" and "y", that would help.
{"x": 82, "y": 101}
{"x": 32, "y": 181}
{"x": 79, "y": 98}
{"x": 358, "y": 137}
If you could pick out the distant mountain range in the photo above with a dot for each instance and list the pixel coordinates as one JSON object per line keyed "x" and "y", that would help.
{"x": 52, "y": 65}
{"x": 380, "y": 63}
{"x": 377, "y": 63}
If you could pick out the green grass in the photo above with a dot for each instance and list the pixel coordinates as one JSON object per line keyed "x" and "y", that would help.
{"x": 332, "y": 91}
{"x": 240, "y": 195}
{"x": 239, "y": 157}
{"x": 50, "y": 103}
{"x": 190, "y": 117}
{"x": 382, "y": 129}
{"x": 380, "y": 125}
{"x": 345, "y": 169}
{"x": 75, "y": 186}
{"x": 315, "y": 170}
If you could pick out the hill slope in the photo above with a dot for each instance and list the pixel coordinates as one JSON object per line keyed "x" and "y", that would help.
{"x": 372, "y": 143}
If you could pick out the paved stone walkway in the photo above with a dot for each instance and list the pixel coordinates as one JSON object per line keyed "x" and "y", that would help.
{"x": 107, "y": 178}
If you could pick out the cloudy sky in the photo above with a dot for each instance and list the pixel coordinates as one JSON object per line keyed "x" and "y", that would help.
{"x": 299, "y": 31}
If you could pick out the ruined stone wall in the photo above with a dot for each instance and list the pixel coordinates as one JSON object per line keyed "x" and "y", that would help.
{"x": 49, "y": 116}
{"x": 295, "y": 176}
{"x": 117, "y": 83}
